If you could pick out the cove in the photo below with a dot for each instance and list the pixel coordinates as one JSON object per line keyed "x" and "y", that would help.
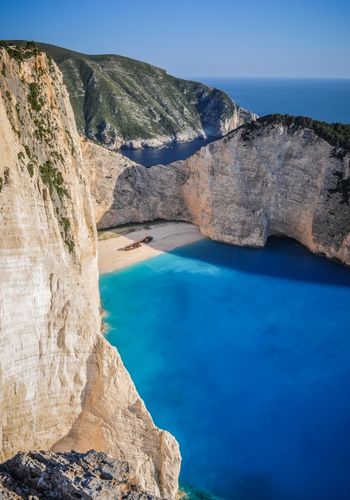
{"x": 165, "y": 155}
{"x": 244, "y": 355}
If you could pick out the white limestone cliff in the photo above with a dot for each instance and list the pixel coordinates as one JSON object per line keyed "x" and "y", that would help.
{"x": 62, "y": 385}
{"x": 275, "y": 176}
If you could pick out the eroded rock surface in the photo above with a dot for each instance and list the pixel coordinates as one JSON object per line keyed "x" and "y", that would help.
{"x": 62, "y": 386}
{"x": 44, "y": 474}
{"x": 276, "y": 176}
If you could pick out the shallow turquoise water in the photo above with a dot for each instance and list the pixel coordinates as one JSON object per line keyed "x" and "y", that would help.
{"x": 244, "y": 355}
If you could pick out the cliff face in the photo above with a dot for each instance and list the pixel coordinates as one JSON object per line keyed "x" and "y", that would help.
{"x": 65, "y": 476}
{"x": 119, "y": 101}
{"x": 125, "y": 192}
{"x": 62, "y": 386}
{"x": 276, "y": 176}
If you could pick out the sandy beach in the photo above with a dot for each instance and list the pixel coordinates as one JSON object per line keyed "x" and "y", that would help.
{"x": 166, "y": 237}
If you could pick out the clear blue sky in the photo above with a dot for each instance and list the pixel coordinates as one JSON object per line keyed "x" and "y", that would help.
{"x": 196, "y": 37}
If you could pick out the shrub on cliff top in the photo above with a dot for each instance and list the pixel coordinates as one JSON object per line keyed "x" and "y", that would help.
{"x": 34, "y": 98}
{"x": 20, "y": 50}
{"x": 336, "y": 134}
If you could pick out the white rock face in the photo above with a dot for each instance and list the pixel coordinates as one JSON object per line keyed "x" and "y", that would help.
{"x": 124, "y": 191}
{"x": 275, "y": 179}
{"x": 62, "y": 386}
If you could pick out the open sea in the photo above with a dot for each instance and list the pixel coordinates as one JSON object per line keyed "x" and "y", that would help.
{"x": 244, "y": 355}
{"x": 322, "y": 99}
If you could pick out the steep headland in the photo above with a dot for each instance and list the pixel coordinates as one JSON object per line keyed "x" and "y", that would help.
{"x": 62, "y": 386}
{"x": 279, "y": 175}
{"x": 119, "y": 101}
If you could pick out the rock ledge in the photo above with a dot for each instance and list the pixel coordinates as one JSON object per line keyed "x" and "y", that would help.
{"x": 44, "y": 474}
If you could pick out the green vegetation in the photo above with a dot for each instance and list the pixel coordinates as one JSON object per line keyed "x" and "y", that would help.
{"x": 66, "y": 226}
{"x": 70, "y": 244}
{"x": 30, "y": 168}
{"x": 6, "y": 175}
{"x": 18, "y": 111}
{"x": 115, "y": 98}
{"x": 342, "y": 187}
{"x": 124, "y": 98}
{"x": 20, "y": 51}
{"x": 58, "y": 156}
{"x": 70, "y": 142}
{"x": 27, "y": 150}
{"x": 43, "y": 132}
{"x": 53, "y": 179}
{"x": 20, "y": 156}
{"x": 336, "y": 134}
{"x": 34, "y": 98}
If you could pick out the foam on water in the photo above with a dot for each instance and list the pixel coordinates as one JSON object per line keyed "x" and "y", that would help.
{"x": 244, "y": 355}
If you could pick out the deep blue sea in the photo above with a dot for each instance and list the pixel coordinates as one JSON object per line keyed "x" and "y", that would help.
{"x": 155, "y": 156}
{"x": 322, "y": 99}
{"x": 244, "y": 355}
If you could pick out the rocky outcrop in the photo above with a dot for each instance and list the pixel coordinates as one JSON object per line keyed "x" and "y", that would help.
{"x": 119, "y": 101}
{"x": 68, "y": 475}
{"x": 124, "y": 191}
{"x": 62, "y": 386}
{"x": 277, "y": 176}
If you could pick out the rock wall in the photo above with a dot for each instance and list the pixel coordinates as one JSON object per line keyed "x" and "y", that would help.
{"x": 275, "y": 176}
{"x": 62, "y": 386}
{"x": 124, "y": 191}
{"x": 65, "y": 476}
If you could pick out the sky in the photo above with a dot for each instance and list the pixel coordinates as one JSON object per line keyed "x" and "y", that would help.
{"x": 229, "y": 38}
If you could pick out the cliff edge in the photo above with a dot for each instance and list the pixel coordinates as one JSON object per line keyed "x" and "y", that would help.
{"x": 62, "y": 386}
{"x": 279, "y": 175}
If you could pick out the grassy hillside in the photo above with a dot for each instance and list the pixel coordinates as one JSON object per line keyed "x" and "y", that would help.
{"x": 119, "y": 101}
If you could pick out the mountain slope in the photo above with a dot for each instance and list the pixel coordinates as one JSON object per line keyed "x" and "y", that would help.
{"x": 119, "y": 101}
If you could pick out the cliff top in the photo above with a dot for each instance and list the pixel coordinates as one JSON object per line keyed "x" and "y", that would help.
{"x": 336, "y": 134}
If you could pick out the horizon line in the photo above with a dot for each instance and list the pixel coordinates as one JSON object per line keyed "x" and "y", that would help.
{"x": 268, "y": 77}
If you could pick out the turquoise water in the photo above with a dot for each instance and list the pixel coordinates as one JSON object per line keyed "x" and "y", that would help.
{"x": 244, "y": 355}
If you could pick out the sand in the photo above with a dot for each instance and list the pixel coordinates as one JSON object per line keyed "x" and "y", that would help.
{"x": 166, "y": 237}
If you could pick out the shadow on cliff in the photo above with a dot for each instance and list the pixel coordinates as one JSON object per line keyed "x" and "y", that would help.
{"x": 281, "y": 258}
